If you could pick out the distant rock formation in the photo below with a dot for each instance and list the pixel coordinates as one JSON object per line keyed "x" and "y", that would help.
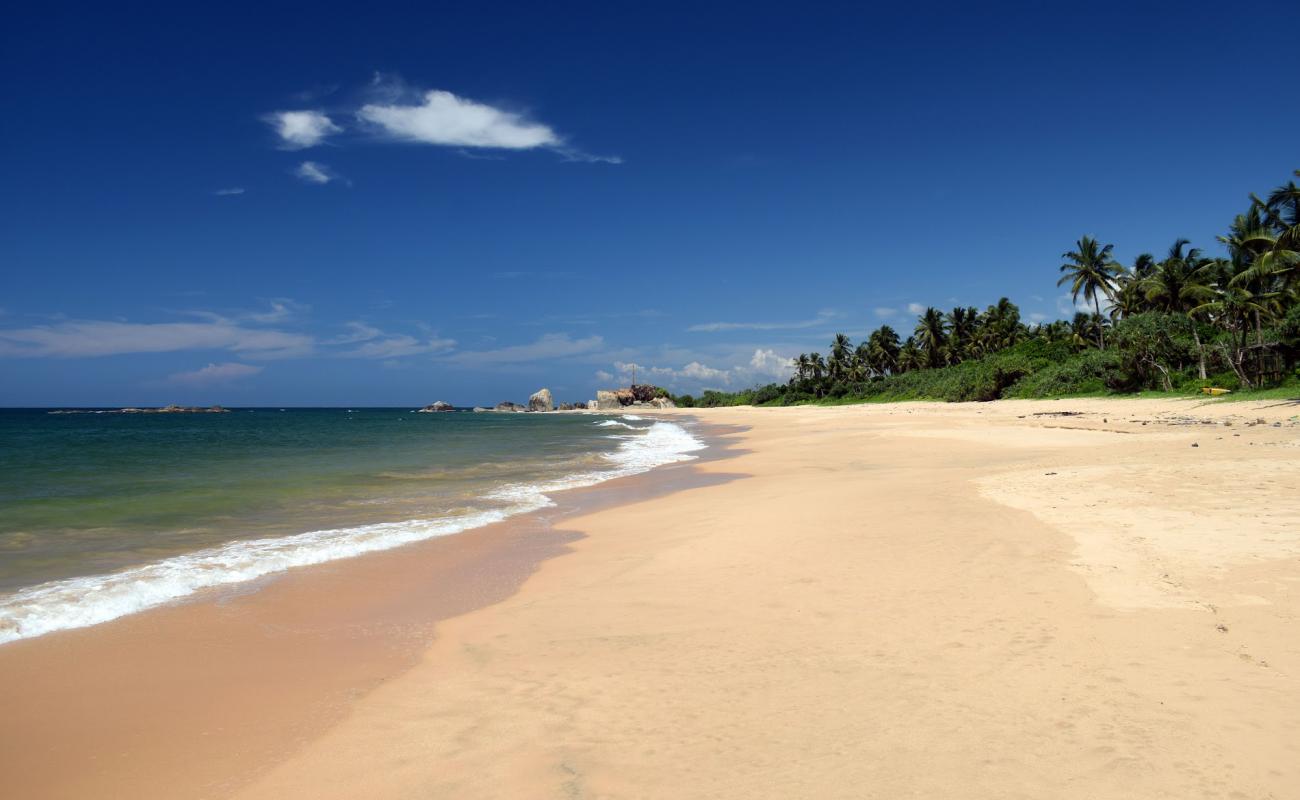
{"x": 481, "y": 410}
{"x": 510, "y": 407}
{"x": 437, "y": 407}
{"x": 637, "y": 395}
{"x": 571, "y": 406}
{"x": 541, "y": 401}
{"x": 605, "y": 401}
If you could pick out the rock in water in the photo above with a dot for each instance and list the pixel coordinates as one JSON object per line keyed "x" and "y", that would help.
{"x": 510, "y": 407}
{"x": 437, "y": 407}
{"x": 541, "y": 401}
{"x": 606, "y": 401}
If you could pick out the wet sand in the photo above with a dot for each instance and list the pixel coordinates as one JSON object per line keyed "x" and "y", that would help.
{"x": 985, "y": 600}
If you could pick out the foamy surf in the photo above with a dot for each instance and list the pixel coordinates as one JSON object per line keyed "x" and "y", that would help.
{"x": 84, "y": 601}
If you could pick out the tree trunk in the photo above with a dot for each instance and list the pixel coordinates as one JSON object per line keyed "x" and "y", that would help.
{"x": 1101, "y": 329}
{"x": 1200, "y": 351}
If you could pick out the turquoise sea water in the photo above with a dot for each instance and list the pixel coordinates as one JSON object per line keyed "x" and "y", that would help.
{"x": 105, "y": 514}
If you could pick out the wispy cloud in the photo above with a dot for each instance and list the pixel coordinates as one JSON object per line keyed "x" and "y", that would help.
{"x": 281, "y": 309}
{"x": 93, "y": 338}
{"x": 213, "y": 374}
{"x": 549, "y": 346}
{"x": 884, "y": 311}
{"x": 301, "y": 129}
{"x": 397, "y": 346}
{"x": 915, "y": 308}
{"x": 315, "y": 172}
{"x": 231, "y": 192}
{"x": 712, "y": 327}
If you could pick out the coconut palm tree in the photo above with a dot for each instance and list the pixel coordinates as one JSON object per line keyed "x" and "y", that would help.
{"x": 961, "y": 334}
{"x": 999, "y": 327}
{"x": 932, "y": 336}
{"x": 1183, "y": 281}
{"x": 1232, "y": 309}
{"x": 841, "y": 357}
{"x": 909, "y": 356}
{"x": 1090, "y": 271}
{"x": 861, "y": 369}
{"x": 1143, "y": 265}
{"x": 883, "y": 347}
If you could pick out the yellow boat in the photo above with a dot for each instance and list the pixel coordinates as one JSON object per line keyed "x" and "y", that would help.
{"x": 1214, "y": 390}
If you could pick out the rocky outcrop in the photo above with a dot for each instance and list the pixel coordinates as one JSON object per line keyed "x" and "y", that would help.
{"x": 437, "y": 407}
{"x": 510, "y": 407}
{"x": 606, "y": 401}
{"x": 571, "y": 406}
{"x": 662, "y": 402}
{"x": 541, "y": 401}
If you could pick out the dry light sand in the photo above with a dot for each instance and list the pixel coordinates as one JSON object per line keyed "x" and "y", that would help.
{"x": 912, "y": 600}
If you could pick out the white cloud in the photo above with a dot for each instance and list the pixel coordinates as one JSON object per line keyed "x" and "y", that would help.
{"x": 92, "y": 338}
{"x": 398, "y": 345}
{"x": 213, "y": 374}
{"x": 767, "y": 362}
{"x": 301, "y": 129}
{"x": 884, "y": 311}
{"x": 442, "y": 118}
{"x": 552, "y": 345}
{"x": 763, "y": 367}
{"x": 1037, "y": 317}
{"x": 1067, "y": 306}
{"x": 603, "y": 376}
{"x": 915, "y": 308}
{"x": 231, "y": 192}
{"x": 315, "y": 172}
{"x": 714, "y": 327}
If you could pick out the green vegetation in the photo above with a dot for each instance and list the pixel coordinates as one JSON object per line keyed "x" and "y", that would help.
{"x": 1178, "y": 324}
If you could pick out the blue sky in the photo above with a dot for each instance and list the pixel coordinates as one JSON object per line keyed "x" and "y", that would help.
{"x": 468, "y": 201}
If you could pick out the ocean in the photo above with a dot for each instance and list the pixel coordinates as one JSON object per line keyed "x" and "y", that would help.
{"x": 103, "y": 515}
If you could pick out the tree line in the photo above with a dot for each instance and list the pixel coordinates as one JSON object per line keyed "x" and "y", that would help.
{"x": 1155, "y": 323}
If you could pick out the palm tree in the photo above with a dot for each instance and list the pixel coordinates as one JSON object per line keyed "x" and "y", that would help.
{"x": 931, "y": 336}
{"x": 802, "y": 368}
{"x": 1090, "y": 271}
{"x": 817, "y": 371}
{"x": 840, "y": 357}
{"x": 861, "y": 369}
{"x": 909, "y": 356}
{"x": 1144, "y": 265}
{"x": 1231, "y": 309}
{"x": 883, "y": 347}
{"x": 999, "y": 326}
{"x": 1181, "y": 282}
{"x": 961, "y": 334}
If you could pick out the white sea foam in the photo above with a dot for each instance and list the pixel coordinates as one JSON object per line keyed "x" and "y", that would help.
{"x": 79, "y": 602}
{"x": 613, "y": 423}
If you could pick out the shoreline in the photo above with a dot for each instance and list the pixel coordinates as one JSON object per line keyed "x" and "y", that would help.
{"x": 226, "y": 681}
{"x": 914, "y": 598}
{"x": 76, "y": 601}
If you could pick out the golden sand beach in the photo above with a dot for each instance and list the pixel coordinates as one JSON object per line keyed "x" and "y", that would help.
{"x": 1020, "y": 599}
